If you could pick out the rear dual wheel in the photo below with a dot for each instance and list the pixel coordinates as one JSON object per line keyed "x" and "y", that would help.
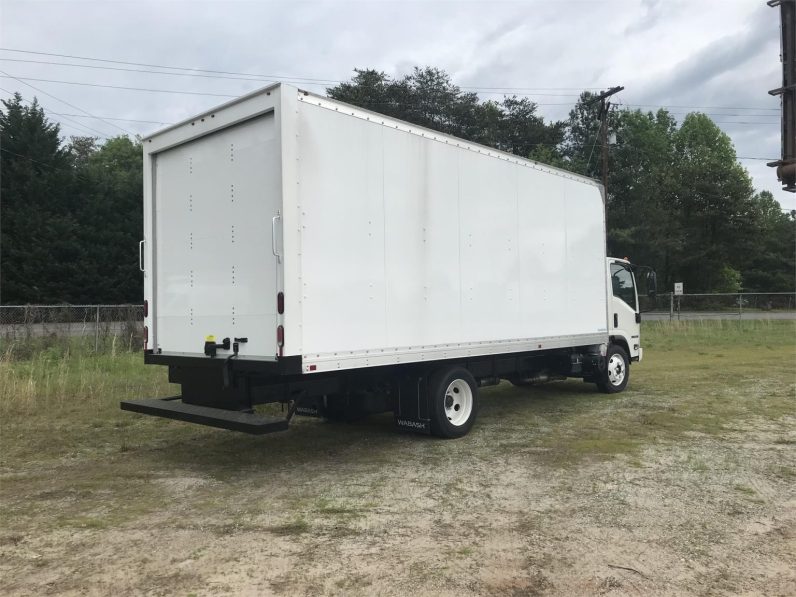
{"x": 453, "y": 398}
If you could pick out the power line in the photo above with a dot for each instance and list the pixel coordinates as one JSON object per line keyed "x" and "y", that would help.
{"x": 79, "y": 124}
{"x": 89, "y": 115}
{"x": 743, "y": 123}
{"x": 27, "y": 157}
{"x": 254, "y": 78}
{"x": 705, "y": 107}
{"x": 105, "y": 117}
{"x": 536, "y": 91}
{"x": 249, "y": 76}
{"x": 202, "y": 93}
{"x": 78, "y": 108}
{"x": 303, "y": 80}
{"x": 112, "y": 118}
{"x": 198, "y": 70}
{"x": 23, "y": 79}
{"x": 320, "y": 81}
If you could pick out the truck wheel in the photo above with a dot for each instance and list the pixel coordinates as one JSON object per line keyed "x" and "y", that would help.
{"x": 453, "y": 397}
{"x": 617, "y": 371}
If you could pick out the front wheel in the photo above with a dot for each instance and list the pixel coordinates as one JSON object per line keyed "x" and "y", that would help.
{"x": 617, "y": 371}
{"x": 453, "y": 395}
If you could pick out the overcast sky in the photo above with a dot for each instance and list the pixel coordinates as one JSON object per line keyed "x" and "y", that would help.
{"x": 718, "y": 56}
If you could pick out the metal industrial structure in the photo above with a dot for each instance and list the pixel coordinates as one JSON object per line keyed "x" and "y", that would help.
{"x": 786, "y": 167}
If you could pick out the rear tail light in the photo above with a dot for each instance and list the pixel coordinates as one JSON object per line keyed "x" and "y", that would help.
{"x": 280, "y": 338}
{"x": 280, "y": 302}
{"x": 146, "y": 308}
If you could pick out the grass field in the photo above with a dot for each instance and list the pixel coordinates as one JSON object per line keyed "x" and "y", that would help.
{"x": 685, "y": 483}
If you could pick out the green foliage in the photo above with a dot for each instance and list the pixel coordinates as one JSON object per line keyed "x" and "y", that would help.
{"x": 39, "y": 224}
{"x": 71, "y": 214}
{"x": 677, "y": 198}
{"x": 427, "y": 97}
{"x": 113, "y": 221}
{"x": 728, "y": 280}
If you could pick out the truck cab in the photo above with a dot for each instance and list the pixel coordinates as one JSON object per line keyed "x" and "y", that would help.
{"x": 624, "y": 316}
{"x": 624, "y": 323}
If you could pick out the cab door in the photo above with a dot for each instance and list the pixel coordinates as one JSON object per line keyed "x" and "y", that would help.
{"x": 625, "y": 318}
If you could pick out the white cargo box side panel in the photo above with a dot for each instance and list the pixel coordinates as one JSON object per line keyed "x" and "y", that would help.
{"x": 489, "y": 262}
{"x": 215, "y": 197}
{"x": 586, "y": 270}
{"x": 416, "y": 245}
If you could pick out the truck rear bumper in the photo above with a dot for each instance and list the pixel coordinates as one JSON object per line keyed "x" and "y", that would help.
{"x": 290, "y": 365}
{"x": 174, "y": 408}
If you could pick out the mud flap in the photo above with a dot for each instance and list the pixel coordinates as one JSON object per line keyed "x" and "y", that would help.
{"x": 412, "y": 408}
{"x": 310, "y": 407}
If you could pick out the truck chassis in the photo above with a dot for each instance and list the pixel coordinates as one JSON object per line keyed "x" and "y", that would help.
{"x": 223, "y": 392}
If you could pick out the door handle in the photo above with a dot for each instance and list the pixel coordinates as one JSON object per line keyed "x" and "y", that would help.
{"x": 141, "y": 255}
{"x": 616, "y": 320}
{"x": 274, "y": 248}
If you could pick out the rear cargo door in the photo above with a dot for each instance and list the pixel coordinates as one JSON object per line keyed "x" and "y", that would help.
{"x": 217, "y": 201}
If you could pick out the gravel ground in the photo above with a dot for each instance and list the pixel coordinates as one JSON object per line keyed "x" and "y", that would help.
{"x": 684, "y": 484}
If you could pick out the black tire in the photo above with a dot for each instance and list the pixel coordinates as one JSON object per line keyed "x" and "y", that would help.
{"x": 463, "y": 395}
{"x": 613, "y": 379}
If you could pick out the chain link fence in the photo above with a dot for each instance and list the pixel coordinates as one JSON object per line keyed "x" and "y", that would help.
{"x": 742, "y": 305}
{"x": 102, "y": 324}
{"x": 123, "y": 325}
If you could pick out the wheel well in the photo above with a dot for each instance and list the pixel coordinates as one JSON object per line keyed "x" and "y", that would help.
{"x": 620, "y": 341}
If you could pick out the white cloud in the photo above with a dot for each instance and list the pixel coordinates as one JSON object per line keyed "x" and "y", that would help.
{"x": 665, "y": 52}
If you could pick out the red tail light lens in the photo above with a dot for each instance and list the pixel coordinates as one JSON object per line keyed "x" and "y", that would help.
{"x": 146, "y": 308}
{"x": 280, "y": 336}
{"x": 280, "y": 302}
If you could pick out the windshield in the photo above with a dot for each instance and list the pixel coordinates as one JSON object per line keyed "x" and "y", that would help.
{"x": 623, "y": 285}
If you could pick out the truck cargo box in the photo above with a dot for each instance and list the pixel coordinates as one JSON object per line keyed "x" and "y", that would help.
{"x": 336, "y": 238}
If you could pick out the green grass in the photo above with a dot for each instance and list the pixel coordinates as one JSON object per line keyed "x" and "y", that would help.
{"x": 697, "y": 377}
{"x": 63, "y": 400}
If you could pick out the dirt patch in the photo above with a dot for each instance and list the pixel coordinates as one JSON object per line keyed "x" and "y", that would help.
{"x": 678, "y": 486}
{"x": 502, "y": 525}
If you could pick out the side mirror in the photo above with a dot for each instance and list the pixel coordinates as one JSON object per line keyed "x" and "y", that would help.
{"x": 652, "y": 284}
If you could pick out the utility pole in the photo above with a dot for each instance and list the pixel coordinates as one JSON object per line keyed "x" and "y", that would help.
{"x": 605, "y": 105}
{"x": 786, "y": 167}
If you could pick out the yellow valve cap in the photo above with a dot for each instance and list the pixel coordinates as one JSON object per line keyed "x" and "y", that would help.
{"x": 210, "y": 338}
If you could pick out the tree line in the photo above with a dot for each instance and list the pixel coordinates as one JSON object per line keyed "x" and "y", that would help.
{"x": 678, "y": 199}
{"x": 71, "y": 213}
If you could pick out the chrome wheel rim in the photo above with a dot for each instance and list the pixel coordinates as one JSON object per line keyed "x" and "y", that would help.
{"x": 458, "y": 402}
{"x": 617, "y": 369}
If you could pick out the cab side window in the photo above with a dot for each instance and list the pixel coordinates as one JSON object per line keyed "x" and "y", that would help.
{"x": 622, "y": 282}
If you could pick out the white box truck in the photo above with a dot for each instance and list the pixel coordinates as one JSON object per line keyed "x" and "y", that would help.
{"x": 304, "y": 251}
